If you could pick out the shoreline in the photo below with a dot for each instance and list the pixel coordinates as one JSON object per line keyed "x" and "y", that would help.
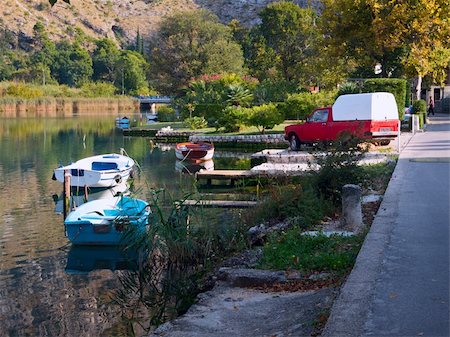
{"x": 65, "y": 107}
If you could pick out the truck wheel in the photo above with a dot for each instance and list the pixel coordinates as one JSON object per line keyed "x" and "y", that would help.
{"x": 385, "y": 142}
{"x": 294, "y": 142}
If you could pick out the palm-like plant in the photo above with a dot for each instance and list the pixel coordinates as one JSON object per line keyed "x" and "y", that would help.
{"x": 238, "y": 95}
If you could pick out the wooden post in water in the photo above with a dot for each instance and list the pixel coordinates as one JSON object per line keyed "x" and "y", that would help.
{"x": 86, "y": 194}
{"x": 66, "y": 192}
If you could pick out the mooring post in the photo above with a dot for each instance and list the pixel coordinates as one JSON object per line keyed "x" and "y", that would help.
{"x": 351, "y": 208}
{"x": 86, "y": 194}
{"x": 66, "y": 192}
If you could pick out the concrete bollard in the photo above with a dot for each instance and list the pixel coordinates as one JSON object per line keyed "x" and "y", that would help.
{"x": 351, "y": 208}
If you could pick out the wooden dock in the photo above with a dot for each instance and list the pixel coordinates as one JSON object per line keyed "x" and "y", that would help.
{"x": 228, "y": 176}
{"x": 220, "y": 203}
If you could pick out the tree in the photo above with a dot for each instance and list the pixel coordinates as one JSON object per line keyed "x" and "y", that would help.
{"x": 352, "y": 31}
{"x": 262, "y": 61}
{"x": 130, "y": 72}
{"x": 139, "y": 43}
{"x": 44, "y": 55}
{"x": 440, "y": 65}
{"x": 73, "y": 64}
{"x": 394, "y": 34}
{"x": 290, "y": 33}
{"x": 209, "y": 95}
{"x": 104, "y": 59}
{"x": 190, "y": 44}
{"x": 428, "y": 35}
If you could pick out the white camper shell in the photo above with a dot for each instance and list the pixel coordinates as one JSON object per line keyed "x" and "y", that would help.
{"x": 378, "y": 106}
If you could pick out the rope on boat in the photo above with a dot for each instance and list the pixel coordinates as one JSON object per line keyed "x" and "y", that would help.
{"x": 186, "y": 156}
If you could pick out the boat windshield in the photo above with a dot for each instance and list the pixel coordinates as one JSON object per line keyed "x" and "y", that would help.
{"x": 103, "y": 166}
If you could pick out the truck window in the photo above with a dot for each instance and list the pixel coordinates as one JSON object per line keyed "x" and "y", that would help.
{"x": 319, "y": 116}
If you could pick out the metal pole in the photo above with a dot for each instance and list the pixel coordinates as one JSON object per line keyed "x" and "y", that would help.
{"x": 398, "y": 136}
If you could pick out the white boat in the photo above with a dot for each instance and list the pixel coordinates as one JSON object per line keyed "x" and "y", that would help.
{"x": 106, "y": 170}
{"x": 104, "y": 221}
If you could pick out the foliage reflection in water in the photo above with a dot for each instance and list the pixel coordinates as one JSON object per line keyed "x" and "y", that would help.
{"x": 39, "y": 295}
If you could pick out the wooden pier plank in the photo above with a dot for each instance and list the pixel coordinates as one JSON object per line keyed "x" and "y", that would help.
{"x": 228, "y": 174}
{"x": 220, "y": 203}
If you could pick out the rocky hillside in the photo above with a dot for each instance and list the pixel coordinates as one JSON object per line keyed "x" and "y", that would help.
{"x": 117, "y": 19}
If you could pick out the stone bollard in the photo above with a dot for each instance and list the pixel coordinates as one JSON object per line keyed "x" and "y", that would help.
{"x": 351, "y": 208}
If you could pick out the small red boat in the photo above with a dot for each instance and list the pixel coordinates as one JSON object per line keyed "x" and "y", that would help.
{"x": 194, "y": 151}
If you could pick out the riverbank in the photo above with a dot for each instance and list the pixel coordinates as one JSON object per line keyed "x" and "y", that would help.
{"x": 246, "y": 301}
{"x": 65, "y": 106}
{"x": 282, "y": 301}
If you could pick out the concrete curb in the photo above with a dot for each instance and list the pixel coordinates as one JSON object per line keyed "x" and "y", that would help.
{"x": 351, "y": 308}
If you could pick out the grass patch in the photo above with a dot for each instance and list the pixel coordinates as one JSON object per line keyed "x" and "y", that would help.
{"x": 299, "y": 203}
{"x": 376, "y": 176}
{"x": 291, "y": 250}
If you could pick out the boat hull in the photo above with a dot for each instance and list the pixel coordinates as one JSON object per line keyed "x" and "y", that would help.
{"x": 194, "y": 151}
{"x": 98, "y": 171}
{"x": 88, "y": 234}
{"x": 81, "y": 178}
{"x": 104, "y": 222}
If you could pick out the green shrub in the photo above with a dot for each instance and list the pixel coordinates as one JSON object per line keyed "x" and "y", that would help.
{"x": 408, "y": 95}
{"x": 196, "y": 122}
{"x": 299, "y": 203}
{"x": 420, "y": 106}
{"x": 397, "y": 87}
{"x": 339, "y": 166}
{"x": 421, "y": 120}
{"x": 299, "y": 106}
{"x": 420, "y": 109}
{"x": 211, "y": 112}
{"x": 166, "y": 114}
{"x": 233, "y": 119}
{"x": 265, "y": 116}
{"x": 349, "y": 88}
{"x": 98, "y": 89}
{"x": 23, "y": 90}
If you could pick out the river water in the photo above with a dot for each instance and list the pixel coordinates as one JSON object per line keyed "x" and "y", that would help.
{"x": 48, "y": 287}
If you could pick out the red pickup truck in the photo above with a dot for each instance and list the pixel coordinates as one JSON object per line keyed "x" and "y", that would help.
{"x": 371, "y": 116}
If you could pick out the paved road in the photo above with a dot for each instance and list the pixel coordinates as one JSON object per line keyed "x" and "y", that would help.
{"x": 400, "y": 283}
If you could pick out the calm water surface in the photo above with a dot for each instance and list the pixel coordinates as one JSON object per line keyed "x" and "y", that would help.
{"x": 47, "y": 287}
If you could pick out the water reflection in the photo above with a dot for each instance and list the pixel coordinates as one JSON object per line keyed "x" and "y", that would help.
{"x": 37, "y": 296}
{"x": 191, "y": 166}
{"x": 84, "y": 259}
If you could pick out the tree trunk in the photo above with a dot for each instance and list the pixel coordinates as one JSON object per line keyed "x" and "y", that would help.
{"x": 418, "y": 87}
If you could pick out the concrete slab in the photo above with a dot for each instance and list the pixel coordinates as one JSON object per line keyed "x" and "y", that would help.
{"x": 225, "y": 312}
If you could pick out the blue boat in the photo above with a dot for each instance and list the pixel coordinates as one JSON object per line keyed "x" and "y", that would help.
{"x": 104, "y": 221}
